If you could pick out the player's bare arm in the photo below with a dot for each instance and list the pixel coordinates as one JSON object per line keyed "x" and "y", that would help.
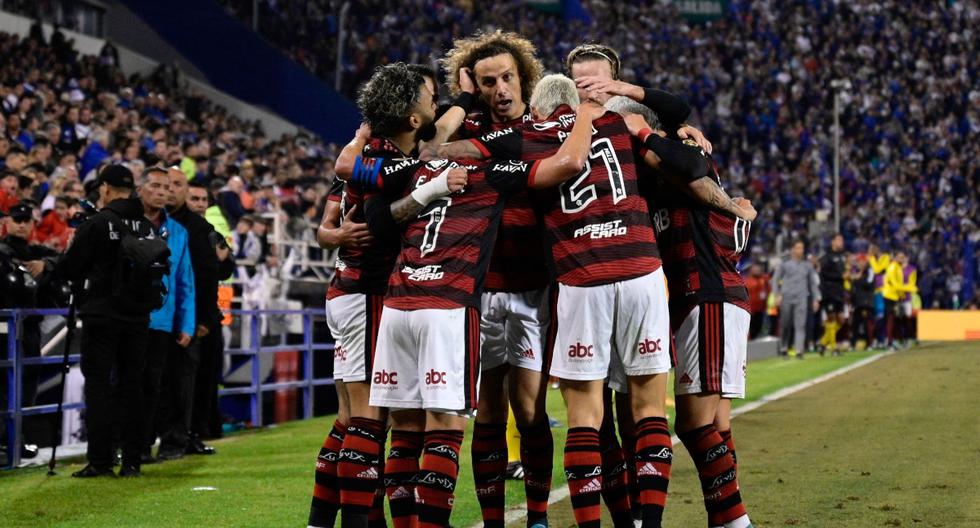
{"x": 571, "y": 158}
{"x": 450, "y": 181}
{"x": 333, "y": 234}
{"x": 462, "y": 149}
{"x": 685, "y": 167}
{"x": 344, "y": 166}
{"x": 449, "y": 123}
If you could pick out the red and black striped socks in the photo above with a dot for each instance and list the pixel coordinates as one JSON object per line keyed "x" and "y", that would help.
{"x": 326, "y": 494}
{"x": 726, "y": 435}
{"x": 716, "y": 469}
{"x": 359, "y": 470}
{"x": 615, "y": 475}
{"x": 489, "y": 452}
{"x": 583, "y": 471}
{"x": 401, "y": 471}
{"x": 653, "y": 458}
{"x": 537, "y": 456}
{"x": 437, "y": 478}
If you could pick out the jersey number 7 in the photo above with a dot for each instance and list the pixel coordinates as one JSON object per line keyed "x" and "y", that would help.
{"x": 575, "y": 198}
{"x": 437, "y": 214}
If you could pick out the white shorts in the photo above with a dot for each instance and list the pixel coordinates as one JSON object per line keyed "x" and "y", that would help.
{"x": 625, "y": 322}
{"x": 514, "y": 327}
{"x": 354, "y": 320}
{"x": 711, "y": 345}
{"x": 428, "y": 359}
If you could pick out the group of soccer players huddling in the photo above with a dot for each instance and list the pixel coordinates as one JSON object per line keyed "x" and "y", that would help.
{"x": 532, "y": 228}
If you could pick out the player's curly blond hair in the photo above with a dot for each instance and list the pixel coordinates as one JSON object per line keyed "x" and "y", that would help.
{"x": 467, "y": 52}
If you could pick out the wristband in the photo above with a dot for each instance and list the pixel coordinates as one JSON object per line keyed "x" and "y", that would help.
{"x": 644, "y": 134}
{"x": 465, "y": 101}
{"x": 433, "y": 189}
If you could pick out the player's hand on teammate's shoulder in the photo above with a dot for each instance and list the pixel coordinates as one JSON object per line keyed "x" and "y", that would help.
{"x": 590, "y": 110}
{"x": 689, "y": 132}
{"x": 747, "y": 212}
{"x": 457, "y": 179}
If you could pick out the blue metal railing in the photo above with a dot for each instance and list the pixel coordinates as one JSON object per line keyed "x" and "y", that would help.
{"x": 13, "y": 367}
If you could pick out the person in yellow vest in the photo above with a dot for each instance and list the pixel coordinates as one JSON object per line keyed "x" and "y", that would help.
{"x": 878, "y": 262}
{"x": 898, "y": 285}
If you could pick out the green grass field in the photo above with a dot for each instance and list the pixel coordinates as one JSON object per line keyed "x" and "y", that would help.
{"x": 874, "y": 447}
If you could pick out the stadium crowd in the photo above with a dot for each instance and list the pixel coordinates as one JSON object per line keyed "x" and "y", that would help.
{"x": 761, "y": 89}
{"x": 67, "y": 117}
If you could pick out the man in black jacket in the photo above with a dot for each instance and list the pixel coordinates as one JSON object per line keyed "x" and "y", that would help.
{"x": 113, "y": 340}
{"x": 183, "y": 373}
{"x": 833, "y": 273}
{"x": 26, "y": 270}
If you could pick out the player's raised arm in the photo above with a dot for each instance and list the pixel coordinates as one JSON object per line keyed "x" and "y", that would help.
{"x": 461, "y": 149}
{"x": 686, "y": 167}
{"x": 347, "y": 159}
{"x": 571, "y": 158}
{"x": 451, "y": 180}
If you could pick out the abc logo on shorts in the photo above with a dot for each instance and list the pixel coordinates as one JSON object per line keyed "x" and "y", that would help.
{"x": 650, "y": 346}
{"x": 579, "y": 351}
{"x": 434, "y": 377}
{"x": 386, "y": 378}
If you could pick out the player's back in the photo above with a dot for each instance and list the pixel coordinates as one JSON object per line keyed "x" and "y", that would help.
{"x": 596, "y": 224}
{"x": 700, "y": 247}
{"x": 446, "y": 248}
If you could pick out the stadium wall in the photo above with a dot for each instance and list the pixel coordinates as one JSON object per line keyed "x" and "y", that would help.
{"x": 238, "y": 61}
{"x": 133, "y": 62}
{"x": 949, "y": 325}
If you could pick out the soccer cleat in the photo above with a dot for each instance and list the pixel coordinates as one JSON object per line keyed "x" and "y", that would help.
{"x": 91, "y": 471}
{"x": 515, "y": 471}
{"x": 128, "y": 471}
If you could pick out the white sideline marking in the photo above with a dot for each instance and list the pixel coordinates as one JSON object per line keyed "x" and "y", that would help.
{"x": 560, "y": 494}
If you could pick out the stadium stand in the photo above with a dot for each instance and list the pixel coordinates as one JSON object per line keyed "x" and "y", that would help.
{"x": 762, "y": 93}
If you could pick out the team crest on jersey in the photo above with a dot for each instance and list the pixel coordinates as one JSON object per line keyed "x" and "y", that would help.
{"x": 425, "y": 273}
{"x": 437, "y": 164}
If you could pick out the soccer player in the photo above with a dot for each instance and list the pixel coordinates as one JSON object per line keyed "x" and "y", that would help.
{"x": 701, "y": 241}
{"x": 398, "y": 103}
{"x": 833, "y": 273}
{"x": 428, "y": 352}
{"x": 516, "y": 304}
{"x": 612, "y": 302}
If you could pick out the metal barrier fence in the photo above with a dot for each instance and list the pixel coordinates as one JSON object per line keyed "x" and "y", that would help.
{"x": 12, "y": 367}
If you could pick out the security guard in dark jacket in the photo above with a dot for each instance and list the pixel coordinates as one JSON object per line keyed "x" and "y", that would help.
{"x": 184, "y": 367}
{"x": 113, "y": 339}
{"x": 26, "y": 274}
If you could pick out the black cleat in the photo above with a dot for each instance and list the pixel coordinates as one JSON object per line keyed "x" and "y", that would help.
{"x": 91, "y": 471}
{"x": 128, "y": 471}
{"x": 197, "y": 447}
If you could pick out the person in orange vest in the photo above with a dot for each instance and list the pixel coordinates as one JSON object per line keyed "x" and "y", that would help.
{"x": 757, "y": 282}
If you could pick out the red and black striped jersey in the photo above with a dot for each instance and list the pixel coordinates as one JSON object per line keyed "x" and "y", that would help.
{"x": 597, "y": 226}
{"x": 518, "y": 262}
{"x": 446, "y": 249}
{"x": 700, "y": 246}
{"x": 362, "y": 270}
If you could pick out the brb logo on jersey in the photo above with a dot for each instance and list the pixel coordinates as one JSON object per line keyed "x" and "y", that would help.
{"x": 425, "y": 273}
{"x": 386, "y": 380}
{"x": 649, "y": 346}
{"x": 602, "y": 230}
{"x": 580, "y": 351}
{"x": 661, "y": 221}
{"x": 434, "y": 377}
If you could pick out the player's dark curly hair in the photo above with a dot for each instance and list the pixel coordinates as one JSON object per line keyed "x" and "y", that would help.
{"x": 388, "y": 98}
{"x": 591, "y": 52}
{"x": 467, "y": 52}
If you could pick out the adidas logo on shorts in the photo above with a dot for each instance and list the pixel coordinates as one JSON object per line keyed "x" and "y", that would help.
{"x": 686, "y": 380}
{"x": 527, "y": 354}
